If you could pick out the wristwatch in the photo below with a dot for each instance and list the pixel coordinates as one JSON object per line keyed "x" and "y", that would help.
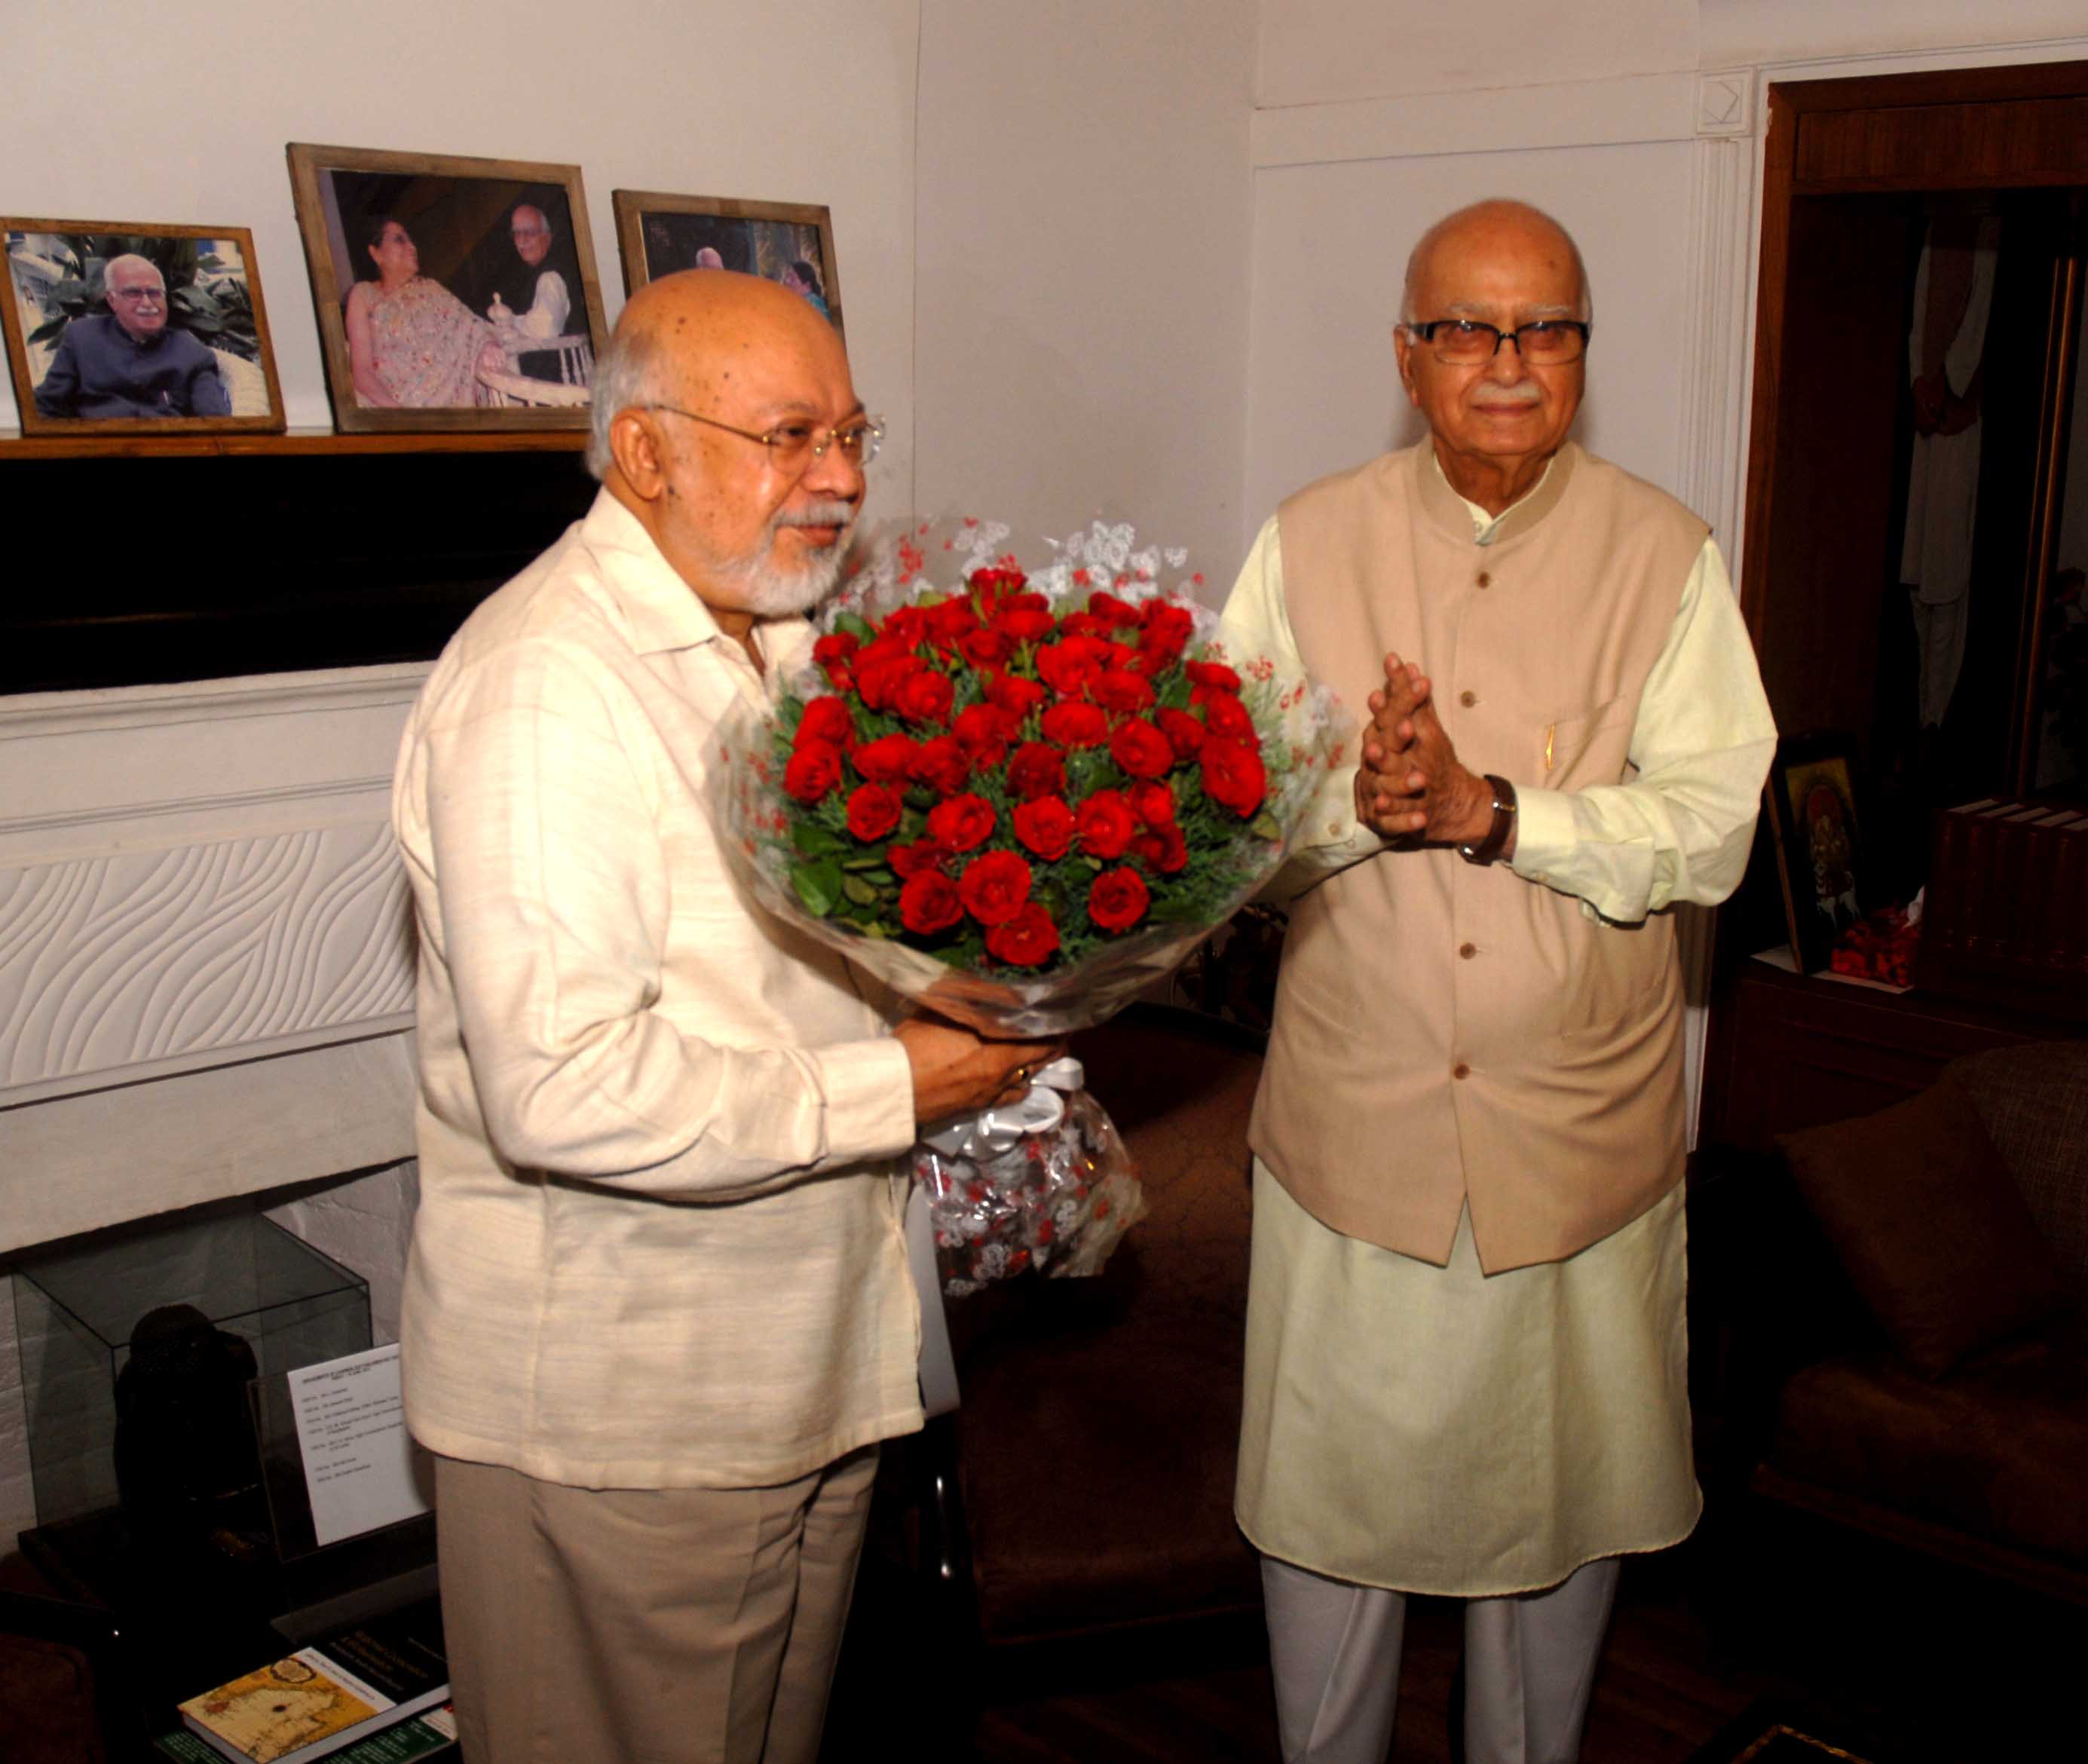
{"x": 1489, "y": 848}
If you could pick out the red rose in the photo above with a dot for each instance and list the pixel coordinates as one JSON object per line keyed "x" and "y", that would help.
{"x": 812, "y": 772}
{"x": 1036, "y": 769}
{"x": 924, "y": 697}
{"x": 880, "y": 678}
{"x": 1140, "y": 749}
{"x": 1119, "y": 689}
{"x": 993, "y": 585}
{"x": 1226, "y": 716}
{"x": 1045, "y": 826}
{"x": 1015, "y": 695}
{"x": 1026, "y": 939}
{"x": 1163, "y": 850}
{"x": 929, "y": 902}
{"x": 1165, "y": 621}
{"x": 1185, "y": 734}
{"x": 1232, "y": 776}
{"x": 910, "y": 860}
{"x": 959, "y": 823}
{"x": 1105, "y": 824}
{"x": 1213, "y": 673}
{"x": 985, "y": 648}
{"x": 1083, "y": 625}
{"x": 836, "y": 646}
{"x": 1117, "y": 899}
{"x": 828, "y": 720}
{"x": 1024, "y": 624}
{"x": 905, "y": 626}
{"x": 994, "y": 887}
{"x": 942, "y": 765}
{"x": 1153, "y": 802}
{"x": 1110, "y": 609}
{"x": 873, "y": 810}
{"x": 984, "y": 732}
{"x": 886, "y": 761}
{"x": 948, "y": 622}
{"x": 1074, "y": 725}
{"x": 1071, "y": 666}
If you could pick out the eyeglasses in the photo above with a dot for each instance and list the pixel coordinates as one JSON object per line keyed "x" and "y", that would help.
{"x": 137, "y": 293}
{"x": 1544, "y": 342}
{"x": 795, "y": 446}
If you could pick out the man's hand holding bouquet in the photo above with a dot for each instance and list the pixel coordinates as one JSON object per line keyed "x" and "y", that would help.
{"x": 1019, "y": 798}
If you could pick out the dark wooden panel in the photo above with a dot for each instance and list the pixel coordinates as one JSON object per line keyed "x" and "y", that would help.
{"x": 1998, "y": 145}
{"x": 142, "y": 571}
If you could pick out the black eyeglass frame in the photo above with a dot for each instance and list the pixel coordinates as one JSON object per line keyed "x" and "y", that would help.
{"x": 1427, "y": 329}
{"x": 866, "y": 451}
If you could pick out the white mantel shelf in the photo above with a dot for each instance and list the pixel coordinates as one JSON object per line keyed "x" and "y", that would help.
{"x": 205, "y": 956}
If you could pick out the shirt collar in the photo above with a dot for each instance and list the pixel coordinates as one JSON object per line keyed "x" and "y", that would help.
{"x": 665, "y": 613}
{"x": 1521, "y": 514}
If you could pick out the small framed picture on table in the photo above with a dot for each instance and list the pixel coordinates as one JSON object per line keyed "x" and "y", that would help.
{"x": 137, "y": 328}
{"x": 1812, "y": 813}
{"x": 789, "y": 243}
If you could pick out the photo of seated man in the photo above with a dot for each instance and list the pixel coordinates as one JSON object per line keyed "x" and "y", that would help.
{"x": 536, "y": 294}
{"x": 120, "y": 358}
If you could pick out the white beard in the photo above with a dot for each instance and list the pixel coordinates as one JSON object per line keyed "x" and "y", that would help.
{"x": 760, "y": 585}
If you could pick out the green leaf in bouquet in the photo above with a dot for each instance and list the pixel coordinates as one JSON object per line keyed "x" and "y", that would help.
{"x": 856, "y": 625}
{"x": 864, "y": 860}
{"x": 1265, "y": 826}
{"x": 813, "y": 841}
{"x": 818, "y": 885}
{"x": 862, "y": 893}
{"x": 1175, "y": 694}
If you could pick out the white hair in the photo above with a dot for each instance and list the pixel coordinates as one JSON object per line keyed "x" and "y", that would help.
{"x": 626, "y": 376}
{"x": 108, "y": 269}
{"x": 1410, "y": 313}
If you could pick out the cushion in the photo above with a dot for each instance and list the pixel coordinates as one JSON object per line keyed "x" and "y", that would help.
{"x": 2033, "y": 1101}
{"x": 1929, "y": 1225}
{"x": 1994, "y": 1452}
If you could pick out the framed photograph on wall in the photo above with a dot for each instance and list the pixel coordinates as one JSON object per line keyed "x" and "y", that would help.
{"x": 123, "y": 327}
{"x": 790, "y": 242}
{"x": 451, "y": 292}
{"x": 1812, "y": 796}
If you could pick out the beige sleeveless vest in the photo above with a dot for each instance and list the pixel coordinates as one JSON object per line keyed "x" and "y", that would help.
{"x": 1446, "y": 1032}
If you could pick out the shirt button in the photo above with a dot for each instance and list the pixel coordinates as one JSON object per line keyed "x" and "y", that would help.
{"x": 1468, "y": 699}
{"x": 1468, "y": 950}
{"x": 1485, "y": 579}
{"x": 1460, "y": 1070}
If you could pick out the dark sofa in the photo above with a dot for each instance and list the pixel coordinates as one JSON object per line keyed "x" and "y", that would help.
{"x": 1934, "y": 1355}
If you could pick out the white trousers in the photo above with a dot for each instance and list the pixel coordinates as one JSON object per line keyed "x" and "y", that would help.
{"x": 1530, "y": 1663}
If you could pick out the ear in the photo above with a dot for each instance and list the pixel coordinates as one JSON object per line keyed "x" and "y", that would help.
{"x": 1402, "y": 348}
{"x": 634, "y": 443}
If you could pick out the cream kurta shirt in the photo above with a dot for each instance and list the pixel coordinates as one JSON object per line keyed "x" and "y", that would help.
{"x": 1437, "y": 1430}
{"x": 659, "y": 1242}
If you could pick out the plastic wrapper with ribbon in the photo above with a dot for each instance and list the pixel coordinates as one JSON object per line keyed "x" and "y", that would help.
{"x": 1020, "y": 799}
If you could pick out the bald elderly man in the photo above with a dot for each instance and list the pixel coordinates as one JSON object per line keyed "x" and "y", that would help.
{"x": 126, "y": 362}
{"x": 657, "y": 1311}
{"x": 1466, "y": 1371}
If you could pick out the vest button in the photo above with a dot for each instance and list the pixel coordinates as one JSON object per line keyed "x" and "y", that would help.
{"x": 1468, "y": 699}
{"x": 1468, "y": 950}
{"x": 1460, "y": 1070}
{"x": 1485, "y": 579}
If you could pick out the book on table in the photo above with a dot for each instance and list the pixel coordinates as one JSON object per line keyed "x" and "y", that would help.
{"x": 351, "y": 1682}
{"x": 405, "y": 1742}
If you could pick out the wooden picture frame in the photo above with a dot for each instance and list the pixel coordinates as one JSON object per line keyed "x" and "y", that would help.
{"x": 205, "y": 341}
{"x": 432, "y": 277}
{"x": 657, "y": 234}
{"x": 1812, "y": 797}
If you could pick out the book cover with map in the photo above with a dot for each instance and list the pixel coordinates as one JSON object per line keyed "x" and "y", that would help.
{"x": 368, "y": 1676}
{"x": 417, "y": 1737}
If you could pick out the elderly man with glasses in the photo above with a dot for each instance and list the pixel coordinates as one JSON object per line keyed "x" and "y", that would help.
{"x": 127, "y": 363}
{"x": 1465, "y": 1367}
{"x": 657, "y": 1313}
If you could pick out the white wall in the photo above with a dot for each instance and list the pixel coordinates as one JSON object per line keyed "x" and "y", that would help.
{"x": 1082, "y": 266}
{"x": 149, "y": 116}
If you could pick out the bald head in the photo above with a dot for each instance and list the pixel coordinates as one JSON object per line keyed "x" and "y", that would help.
{"x": 1496, "y": 226}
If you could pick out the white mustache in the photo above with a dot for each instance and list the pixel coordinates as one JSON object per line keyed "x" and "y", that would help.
{"x": 828, "y": 514}
{"x": 1508, "y": 398}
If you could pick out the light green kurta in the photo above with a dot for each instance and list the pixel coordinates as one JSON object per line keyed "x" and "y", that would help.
{"x": 1438, "y": 1430}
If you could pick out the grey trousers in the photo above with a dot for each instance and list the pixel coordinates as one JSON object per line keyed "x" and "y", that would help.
{"x": 645, "y": 1626}
{"x": 1530, "y": 1663}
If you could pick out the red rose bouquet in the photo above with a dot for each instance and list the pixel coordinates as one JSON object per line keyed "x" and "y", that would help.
{"x": 1021, "y": 797}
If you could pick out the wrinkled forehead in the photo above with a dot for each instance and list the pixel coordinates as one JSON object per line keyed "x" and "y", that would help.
{"x": 1522, "y": 266}
{"x": 130, "y": 275}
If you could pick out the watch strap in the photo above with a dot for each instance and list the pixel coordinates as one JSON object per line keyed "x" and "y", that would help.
{"x": 1489, "y": 848}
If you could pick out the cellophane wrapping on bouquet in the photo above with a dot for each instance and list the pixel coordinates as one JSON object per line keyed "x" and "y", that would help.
{"x": 1020, "y": 797}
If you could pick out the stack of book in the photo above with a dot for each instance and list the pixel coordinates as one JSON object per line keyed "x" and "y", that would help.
{"x": 358, "y": 1684}
{"x": 2005, "y": 918}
